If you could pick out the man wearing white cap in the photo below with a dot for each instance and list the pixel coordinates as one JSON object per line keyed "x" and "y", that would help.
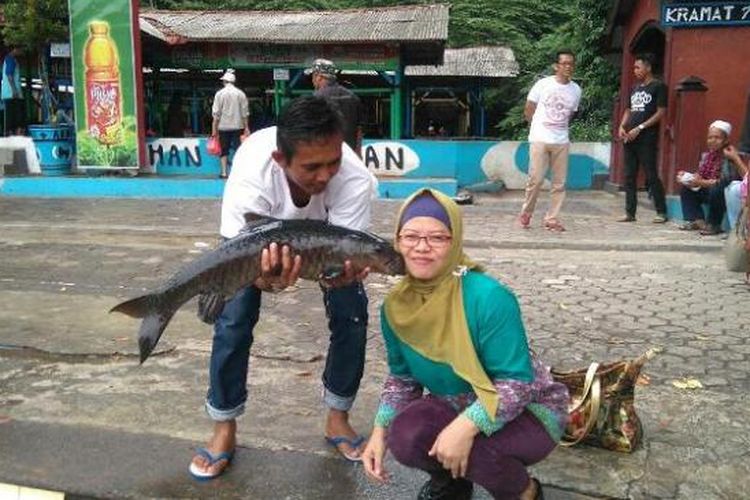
{"x": 707, "y": 184}
{"x": 324, "y": 74}
{"x": 230, "y": 112}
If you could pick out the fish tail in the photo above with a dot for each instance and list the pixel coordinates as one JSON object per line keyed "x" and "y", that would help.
{"x": 156, "y": 315}
{"x": 151, "y": 329}
{"x": 139, "y": 307}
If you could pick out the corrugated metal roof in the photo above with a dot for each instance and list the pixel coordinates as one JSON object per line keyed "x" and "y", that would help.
{"x": 418, "y": 23}
{"x": 486, "y": 62}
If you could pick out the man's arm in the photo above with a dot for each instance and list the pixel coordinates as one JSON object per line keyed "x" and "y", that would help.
{"x": 621, "y": 132}
{"x": 245, "y": 115}
{"x": 528, "y": 110}
{"x": 216, "y": 113}
{"x": 731, "y": 153}
{"x": 650, "y": 122}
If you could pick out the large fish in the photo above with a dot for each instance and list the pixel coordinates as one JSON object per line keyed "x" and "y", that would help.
{"x": 236, "y": 264}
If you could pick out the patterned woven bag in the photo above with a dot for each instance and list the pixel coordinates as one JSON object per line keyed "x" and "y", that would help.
{"x": 602, "y": 411}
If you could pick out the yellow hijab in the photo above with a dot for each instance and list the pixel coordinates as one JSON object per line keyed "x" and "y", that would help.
{"x": 429, "y": 315}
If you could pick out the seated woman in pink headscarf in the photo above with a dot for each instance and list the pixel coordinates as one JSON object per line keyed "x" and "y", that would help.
{"x": 492, "y": 409}
{"x": 707, "y": 185}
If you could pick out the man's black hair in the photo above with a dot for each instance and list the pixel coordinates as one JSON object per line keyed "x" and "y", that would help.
{"x": 648, "y": 58}
{"x": 564, "y": 52}
{"x": 306, "y": 119}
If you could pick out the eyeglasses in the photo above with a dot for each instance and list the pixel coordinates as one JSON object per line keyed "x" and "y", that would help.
{"x": 433, "y": 240}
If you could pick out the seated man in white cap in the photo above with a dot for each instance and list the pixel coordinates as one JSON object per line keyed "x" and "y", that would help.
{"x": 324, "y": 79}
{"x": 715, "y": 171}
{"x": 230, "y": 112}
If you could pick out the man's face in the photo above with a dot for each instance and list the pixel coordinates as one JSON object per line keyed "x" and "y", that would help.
{"x": 716, "y": 139}
{"x": 641, "y": 69}
{"x": 318, "y": 81}
{"x": 314, "y": 163}
{"x": 565, "y": 65}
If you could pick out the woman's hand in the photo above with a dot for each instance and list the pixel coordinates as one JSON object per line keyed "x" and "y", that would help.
{"x": 373, "y": 455}
{"x": 453, "y": 445}
{"x": 278, "y": 269}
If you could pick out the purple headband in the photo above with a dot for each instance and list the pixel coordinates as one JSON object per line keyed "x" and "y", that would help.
{"x": 425, "y": 205}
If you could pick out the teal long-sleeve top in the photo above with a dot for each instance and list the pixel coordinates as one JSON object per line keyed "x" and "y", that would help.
{"x": 494, "y": 322}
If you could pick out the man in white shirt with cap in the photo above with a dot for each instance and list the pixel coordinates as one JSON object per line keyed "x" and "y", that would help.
{"x": 230, "y": 113}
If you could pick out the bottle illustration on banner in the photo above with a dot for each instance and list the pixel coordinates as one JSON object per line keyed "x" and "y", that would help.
{"x": 103, "y": 94}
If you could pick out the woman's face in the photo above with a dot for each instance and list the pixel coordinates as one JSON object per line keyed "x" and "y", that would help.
{"x": 425, "y": 244}
{"x": 716, "y": 139}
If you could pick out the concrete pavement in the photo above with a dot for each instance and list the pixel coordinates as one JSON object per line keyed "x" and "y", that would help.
{"x": 77, "y": 413}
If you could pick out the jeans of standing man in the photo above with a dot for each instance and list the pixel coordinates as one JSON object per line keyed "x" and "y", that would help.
{"x": 346, "y": 308}
{"x": 497, "y": 462}
{"x": 642, "y": 152}
{"x": 733, "y": 200}
{"x": 543, "y": 156}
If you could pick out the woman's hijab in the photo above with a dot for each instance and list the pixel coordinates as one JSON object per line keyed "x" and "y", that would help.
{"x": 429, "y": 315}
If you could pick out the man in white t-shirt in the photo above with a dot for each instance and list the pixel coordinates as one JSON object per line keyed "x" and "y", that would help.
{"x": 550, "y": 105}
{"x": 299, "y": 169}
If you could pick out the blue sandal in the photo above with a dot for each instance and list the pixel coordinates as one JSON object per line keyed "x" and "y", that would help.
{"x": 212, "y": 459}
{"x": 354, "y": 443}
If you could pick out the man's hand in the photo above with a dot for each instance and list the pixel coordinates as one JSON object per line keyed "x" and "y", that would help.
{"x": 633, "y": 134}
{"x": 372, "y": 457}
{"x": 622, "y": 134}
{"x": 278, "y": 269}
{"x": 349, "y": 276}
{"x": 453, "y": 445}
{"x": 730, "y": 152}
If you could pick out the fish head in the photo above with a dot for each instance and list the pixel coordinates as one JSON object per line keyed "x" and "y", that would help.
{"x": 378, "y": 254}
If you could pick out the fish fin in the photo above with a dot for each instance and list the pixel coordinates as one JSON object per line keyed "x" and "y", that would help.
{"x": 138, "y": 307}
{"x": 255, "y": 222}
{"x": 210, "y": 306}
{"x": 152, "y": 327}
{"x": 253, "y": 218}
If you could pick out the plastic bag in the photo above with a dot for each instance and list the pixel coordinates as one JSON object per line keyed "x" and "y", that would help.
{"x": 213, "y": 146}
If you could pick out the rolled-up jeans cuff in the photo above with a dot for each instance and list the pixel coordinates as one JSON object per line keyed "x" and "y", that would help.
{"x": 224, "y": 415}
{"x": 336, "y": 402}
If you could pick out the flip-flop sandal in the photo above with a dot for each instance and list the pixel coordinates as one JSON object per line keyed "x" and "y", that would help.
{"x": 212, "y": 459}
{"x": 354, "y": 443}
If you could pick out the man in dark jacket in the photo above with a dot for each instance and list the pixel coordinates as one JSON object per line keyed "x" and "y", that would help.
{"x": 324, "y": 79}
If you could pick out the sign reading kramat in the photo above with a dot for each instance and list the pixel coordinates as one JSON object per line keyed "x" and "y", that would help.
{"x": 685, "y": 15}
{"x": 105, "y": 83}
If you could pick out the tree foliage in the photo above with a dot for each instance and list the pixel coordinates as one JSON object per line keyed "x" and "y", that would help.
{"x": 534, "y": 29}
{"x": 35, "y": 23}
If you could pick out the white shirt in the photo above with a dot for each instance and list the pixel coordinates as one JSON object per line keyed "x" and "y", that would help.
{"x": 258, "y": 184}
{"x": 555, "y": 104}
{"x": 230, "y": 108}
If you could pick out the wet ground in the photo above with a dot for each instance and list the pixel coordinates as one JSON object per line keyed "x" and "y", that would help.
{"x": 78, "y": 414}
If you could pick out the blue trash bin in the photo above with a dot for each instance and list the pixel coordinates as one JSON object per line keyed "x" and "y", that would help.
{"x": 55, "y": 145}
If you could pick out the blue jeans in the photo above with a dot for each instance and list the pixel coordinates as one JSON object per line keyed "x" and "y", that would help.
{"x": 346, "y": 309}
{"x": 734, "y": 202}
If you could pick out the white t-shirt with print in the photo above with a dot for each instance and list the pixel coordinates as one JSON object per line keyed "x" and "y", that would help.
{"x": 555, "y": 104}
{"x": 258, "y": 184}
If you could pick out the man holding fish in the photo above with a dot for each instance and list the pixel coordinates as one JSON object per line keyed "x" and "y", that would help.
{"x": 300, "y": 169}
